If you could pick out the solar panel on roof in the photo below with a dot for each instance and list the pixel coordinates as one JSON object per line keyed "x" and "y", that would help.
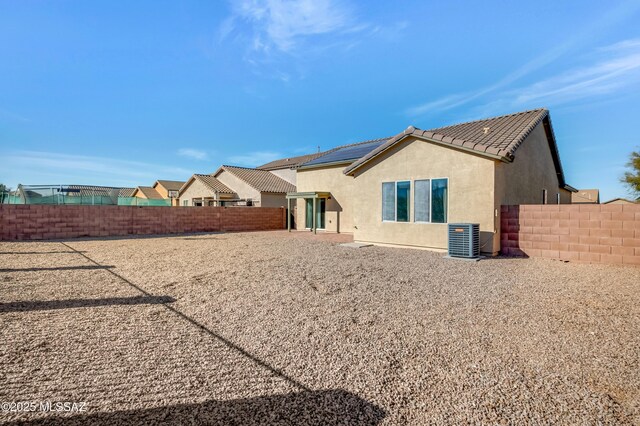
{"x": 347, "y": 153}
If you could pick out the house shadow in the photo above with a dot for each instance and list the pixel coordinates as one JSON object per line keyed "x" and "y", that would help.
{"x": 57, "y": 268}
{"x": 40, "y": 252}
{"x": 46, "y": 305}
{"x": 325, "y": 407}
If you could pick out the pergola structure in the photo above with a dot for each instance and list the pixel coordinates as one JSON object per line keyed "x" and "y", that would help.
{"x": 305, "y": 195}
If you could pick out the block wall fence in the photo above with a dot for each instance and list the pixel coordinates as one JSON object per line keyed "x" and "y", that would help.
{"x": 596, "y": 233}
{"x": 41, "y": 222}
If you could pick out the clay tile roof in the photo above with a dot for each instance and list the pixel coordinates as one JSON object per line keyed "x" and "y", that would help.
{"x": 289, "y": 163}
{"x": 261, "y": 180}
{"x": 126, "y": 192}
{"x": 213, "y": 184}
{"x": 497, "y": 136}
{"x": 150, "y": 192}
{"x": 170, "y": 185}
{"x": 105, "y": 191}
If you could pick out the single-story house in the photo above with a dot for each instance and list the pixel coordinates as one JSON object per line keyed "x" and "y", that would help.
{"x": 256, "y": 187}
{"x": 620, "y": 201}
{"x": 161, "y": 190}
{"x": 169, "y": 189}
{"x": 586, "y": 196}
{"x": 205, "y": 190}
{"x": 147, "y": 192}
{"x": 404, "y": 190}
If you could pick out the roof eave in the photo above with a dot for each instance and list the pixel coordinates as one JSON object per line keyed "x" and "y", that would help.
{"x": 333, "y": 163}
{"x": 351, "y": 170}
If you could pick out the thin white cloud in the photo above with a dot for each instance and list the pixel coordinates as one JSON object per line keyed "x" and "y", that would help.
{"x": 608, "y": 70}
{"x": 36, "y": 167}
{"x": 616, "y": 14}
{"x": 254, "y": 159}
{"x": 282, "y": 24}
{"x": 601, "y": 78}
{"x": 194, "y": 154}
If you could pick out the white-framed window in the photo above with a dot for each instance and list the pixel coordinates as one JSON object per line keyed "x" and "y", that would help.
{"x": 431, "y": 200}
{"x": 396, "y": 201}
{"x": 185, "y": 203}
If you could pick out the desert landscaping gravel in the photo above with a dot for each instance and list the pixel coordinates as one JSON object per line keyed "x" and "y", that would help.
{"x": 278, "y": 328}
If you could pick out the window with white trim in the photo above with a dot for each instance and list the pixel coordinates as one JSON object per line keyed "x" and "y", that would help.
{"x": 431, "y": 199}
{"x": 396, "y": 201}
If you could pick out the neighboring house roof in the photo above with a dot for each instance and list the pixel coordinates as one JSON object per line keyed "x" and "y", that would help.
{"x": 170, "y": 185}
{"x": 346, "y": 153}
{"x": 126, "y": 192}
{"x": 497, "y": 138}
{"x": 88, "y": 190}
{"x": 260, "y": 180}
{"x": 150, "y": 192}
{"x": 620, "y": 201}
{"x": 289, "y": 163}
{"x": 586, "y": 196}
{"x": 210, "y": 182}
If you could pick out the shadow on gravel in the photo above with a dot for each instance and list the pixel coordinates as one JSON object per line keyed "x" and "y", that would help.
{"x": 37, "y": 252}
{"x": 57, "y": 268}
{"x": 326, "y": 407}
{"x": 47, "y": 305}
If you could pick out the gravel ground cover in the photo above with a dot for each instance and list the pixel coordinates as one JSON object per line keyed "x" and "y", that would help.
{"x": 271, "y": 328}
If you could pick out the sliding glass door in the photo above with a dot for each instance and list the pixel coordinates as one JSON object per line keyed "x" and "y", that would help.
{"x": 320, "y": 209}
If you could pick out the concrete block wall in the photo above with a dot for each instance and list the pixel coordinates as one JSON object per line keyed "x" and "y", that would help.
{"x": 41, "y": 222}
{"x": 594, "y": 233}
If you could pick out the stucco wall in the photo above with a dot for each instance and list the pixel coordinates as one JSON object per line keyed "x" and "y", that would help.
{"x": 240, "y": 187}
{"x": 287, "y": 174}
{"x": 532, "y": 170}
{"x": 273, "y": 200}
{"x": 164, "y": 192}
{"x": 196, "y": 190}
{"x": 339, "y": 209}
{"x": 470, "y": 192}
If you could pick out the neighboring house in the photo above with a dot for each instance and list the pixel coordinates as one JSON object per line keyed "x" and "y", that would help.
{"x": 620, "y": 201}
{"x": 206, "y": 190}
{"x": 586, "y": 196}
{"x": 126, "y": 192}
{"x": 147, "y": 192}
{"x": 285, "y": 168}
{"x": 257, "y": 187}
{"x": 405, "y": 189}
{"x": 70, "y": 194}
{"x": 169, "y": 189}
{"x": 161, "y": 190}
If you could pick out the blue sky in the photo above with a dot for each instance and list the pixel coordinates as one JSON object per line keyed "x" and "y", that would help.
{"x": 124, "y": 93}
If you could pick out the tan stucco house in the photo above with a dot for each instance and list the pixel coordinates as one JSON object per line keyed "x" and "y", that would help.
{"x": 205, "y": 190}
{"x": 404, "y": 190}
{"x": 620, "y": 201}
{"x": 586, "y": 196}
{"x": 232, "y": 185}
{"x": 161, "y": 190}
{"x": 256, "y": 187}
